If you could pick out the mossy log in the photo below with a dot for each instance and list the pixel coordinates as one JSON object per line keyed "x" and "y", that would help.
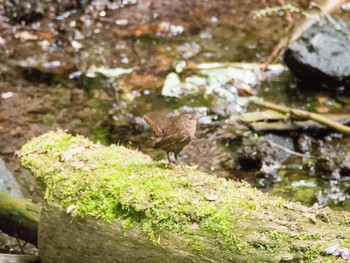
{"x": 113, "y": 204}
{"x": 19, "y": 217}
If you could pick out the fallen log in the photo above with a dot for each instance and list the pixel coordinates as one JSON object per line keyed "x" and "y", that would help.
{"x": 17, "y": 258}
{"x": 113, "y": 204}
{"x": 19, "y": 217}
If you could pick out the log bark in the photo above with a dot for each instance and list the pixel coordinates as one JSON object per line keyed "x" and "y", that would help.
{"x": 66, "y": 240}
{"x": 16, "y": 258}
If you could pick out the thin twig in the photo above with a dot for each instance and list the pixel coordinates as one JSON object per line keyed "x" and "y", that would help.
{"x": 288, "y": 150}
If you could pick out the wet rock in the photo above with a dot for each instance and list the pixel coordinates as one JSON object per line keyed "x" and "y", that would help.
{"x": 37, "y": 76}
{"x": 304, "y": 143}
{"x": 30, "y": 11}
{"x": 250, "y": 155}
{"x": 8, "y": 182}
{"x": 262, "y": 153}
{"x": 332, "y": 162}
{"x": 327, "y": 167}
{"x": 345, "y": 166}
{"x": 24, "y": 11}
{"x": 321, "y": 57}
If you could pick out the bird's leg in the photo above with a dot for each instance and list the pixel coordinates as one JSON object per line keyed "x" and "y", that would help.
{"x": 183, "y": 168}
{"x": 167, "y": 154}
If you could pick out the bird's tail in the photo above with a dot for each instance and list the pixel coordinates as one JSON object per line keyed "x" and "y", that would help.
{"x": 155, "y": 128}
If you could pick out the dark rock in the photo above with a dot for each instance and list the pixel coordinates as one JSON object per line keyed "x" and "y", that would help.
{"x": 303, "y": 143}
{"x": 345, "y": 166}
{"x": 248, "y": 156}
{"x": 37, "y": 76}
{"x": 262, "y": 153}
{"x": 29, "y": 11}
{"x": 321, "y": 57}
{"x": 332, "y": 162}
{"x": 24, "y": 11}
{"x": 327, "y": 167}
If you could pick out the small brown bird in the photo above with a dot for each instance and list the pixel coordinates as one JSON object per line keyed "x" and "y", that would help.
{"x": 176, "y": 136}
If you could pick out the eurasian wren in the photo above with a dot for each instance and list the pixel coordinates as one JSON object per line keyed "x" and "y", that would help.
{"x": 176, "y": 135}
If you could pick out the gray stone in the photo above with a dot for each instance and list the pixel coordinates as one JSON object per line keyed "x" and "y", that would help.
{"x": 8, "y": 182}
{"x": 321, "y": 57}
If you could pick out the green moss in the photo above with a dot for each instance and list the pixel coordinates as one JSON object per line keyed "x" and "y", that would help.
{"x": 344, "y": 242}
{"x": 100, "y": 134}
{"x": 197, "y": 245}
{"x": 116, "y": 183}
{"x": 277, "y": 235}
{"x": 261, "y": 245}
{"x": 308, "y": 237}
{"x": 308, "y": 253}
{"x": 304, "y": 194}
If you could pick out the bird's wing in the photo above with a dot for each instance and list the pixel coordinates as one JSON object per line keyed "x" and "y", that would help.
{"x": 173, "y": 141}
{"x": 178, "y": 136}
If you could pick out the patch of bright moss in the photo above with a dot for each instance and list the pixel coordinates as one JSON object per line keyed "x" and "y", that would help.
{"x": 345, "y": 242}
{"x": 119, "y": 183}
{"x": 100, "y": 134}
{"x": 307, "y": 237}
{"x": 277, "y": 235}
{"x": 307, "y": 253}
{"x": 283, "y": 236}
{"x": 261, "y": 245}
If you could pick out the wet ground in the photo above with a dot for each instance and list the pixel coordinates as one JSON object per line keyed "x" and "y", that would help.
{"x": 63, "y": 70}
